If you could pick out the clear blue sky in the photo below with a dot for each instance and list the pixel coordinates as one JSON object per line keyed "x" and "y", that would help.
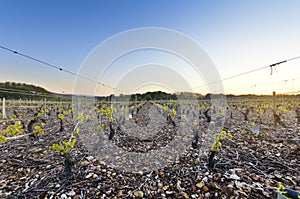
{"x": 237, "y": 35}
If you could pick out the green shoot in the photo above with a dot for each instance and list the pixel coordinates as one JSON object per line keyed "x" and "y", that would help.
{"x": 218, "y": 144}
{"x": 65, "y": 147}
{"x": 60, "y": 116}
{"x": 39, "y": 130}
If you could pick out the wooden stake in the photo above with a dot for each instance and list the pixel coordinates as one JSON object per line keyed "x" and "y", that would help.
{"x": 3, "y": 108}
{"x": 274, "y": 101}
{"x": 45, "y": 108}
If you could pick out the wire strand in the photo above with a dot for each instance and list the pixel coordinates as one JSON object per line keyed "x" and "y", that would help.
{"x": 56, "y": 67}
{"x": 108, "y": 86}
{"x": 248, "y": 72}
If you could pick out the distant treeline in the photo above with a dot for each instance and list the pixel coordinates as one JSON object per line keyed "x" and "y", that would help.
{"x": 12, "y": 90}
{"x": 156, "y": 95}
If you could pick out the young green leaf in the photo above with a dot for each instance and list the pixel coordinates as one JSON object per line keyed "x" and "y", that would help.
{"x": 2, "y": 138}
{"x": 229, "y": 135}
{"x": 80, "y": 117}
{"x": 76, "y": 132}
{"x": 60, "y": 116}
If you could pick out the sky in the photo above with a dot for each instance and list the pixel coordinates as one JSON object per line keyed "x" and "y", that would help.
{"x": 235, "y": 36}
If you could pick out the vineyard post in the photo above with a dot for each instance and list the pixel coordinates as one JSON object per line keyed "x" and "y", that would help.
{"x": 45, "y": 106}
{"x": 78, "y": 105}
{"x": 114, "y": 103}
{"x": 274, "y": 101}
{"x": 135, "y": 106}
{"x": 3, "y": 108}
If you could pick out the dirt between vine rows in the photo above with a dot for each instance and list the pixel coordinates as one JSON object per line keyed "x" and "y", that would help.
{"x": 248, "y": 166}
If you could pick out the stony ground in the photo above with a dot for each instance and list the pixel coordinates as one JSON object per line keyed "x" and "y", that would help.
{"x": 248, "y": 166}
